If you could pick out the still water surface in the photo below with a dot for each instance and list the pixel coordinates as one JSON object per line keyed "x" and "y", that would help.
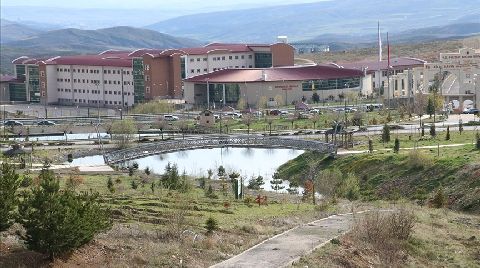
{"x": 249, "y": 162}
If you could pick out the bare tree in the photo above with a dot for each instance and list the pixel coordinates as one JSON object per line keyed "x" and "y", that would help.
{"x": 248, "y": 120}
{"x": 161, "y": 124}
{"x": 420, "y": 105}
{"x": 123, "y": 131}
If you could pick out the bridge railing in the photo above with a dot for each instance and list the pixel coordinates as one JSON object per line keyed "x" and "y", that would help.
{"x": 210, "y": 142}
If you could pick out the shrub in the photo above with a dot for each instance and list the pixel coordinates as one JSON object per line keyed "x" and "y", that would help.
{"x": 210, "y": 193}
{"x": 350, "y": 187}
{"x": 387, "y": 232}
{"x": 9, "y": 183}
{"x": 26, "y": 182}
{"x": 58, "y": 221}
{"x": 439, "y": 199}
{"x": 211, "y": 225}
{"x": 418, "y": 159}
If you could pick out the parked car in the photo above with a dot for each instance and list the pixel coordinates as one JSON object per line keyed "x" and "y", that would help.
{"x": 233, "y": 114}
{"x": 471, "y": 111}
{"x": 46, "y": 123}
{"x": 13, "y": 123}
{"x": 275, "y": 112}
{"x": 283, "y": 112}
{"x": 169, "y": 117}
{"x": 315, "y": 111}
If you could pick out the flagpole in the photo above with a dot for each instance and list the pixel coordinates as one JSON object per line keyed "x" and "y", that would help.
{"x": 388, "y": 71}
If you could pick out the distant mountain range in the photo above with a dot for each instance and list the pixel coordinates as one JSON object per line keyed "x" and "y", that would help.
{"x": 343, "y": 41}
{"x": 121, "y": 37}
{"x": 308, "y": 21}
{"x": 75, "y": 41}
{"x": 12, "y": 31}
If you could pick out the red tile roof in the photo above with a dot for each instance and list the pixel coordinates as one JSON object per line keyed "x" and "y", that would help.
{"x": 383, "y": 65}
{"x": 113, "y": 60}
{"x": 292, "y": 73}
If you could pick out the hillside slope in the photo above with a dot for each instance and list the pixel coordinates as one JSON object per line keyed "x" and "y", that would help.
{"x": 12, "y": 31}
{"x": 305, "y": 21}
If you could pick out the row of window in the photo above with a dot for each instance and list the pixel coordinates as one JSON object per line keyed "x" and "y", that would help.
{"x": 97, "y": 101}
{"x": 222, "y": 58}
{"x": 92, "y": 71}
{"x": 115, "y": 82}
{"x": 93, "y": 91}
{"x": 216, "y": 69}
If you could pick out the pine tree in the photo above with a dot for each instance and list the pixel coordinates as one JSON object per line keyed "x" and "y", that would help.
{"x": 276, "y": 182}
{"x": 110, "y": 185}
{"x": 478, "y": 141}
{"x": 396, "y": 147}
{"x": 9, "y": 183}
{"x": 386, "y": 133}
{"x": 447, "y": 137}
{"x": 370, "y": 145}
{"x": 211, "y": 225}
{"x": 433, "y": 132}
{"x": 58, "y": 221}
{"x": 430, "y": 107}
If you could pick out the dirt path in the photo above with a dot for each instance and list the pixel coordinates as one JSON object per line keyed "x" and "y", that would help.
{"x": 286, "y": 248}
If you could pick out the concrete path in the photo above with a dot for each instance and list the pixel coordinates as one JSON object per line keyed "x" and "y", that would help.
{"x": 284, "y": 249}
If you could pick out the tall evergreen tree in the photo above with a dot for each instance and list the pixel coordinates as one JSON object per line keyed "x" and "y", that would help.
{"x": 9, "y": 183}
{"x": 59, "y": 221}
{"x": 396, "y": 147}
{"x": 430, "y": 107}
{"x": 447, "y": 137}
{"x": 386, "y": 133}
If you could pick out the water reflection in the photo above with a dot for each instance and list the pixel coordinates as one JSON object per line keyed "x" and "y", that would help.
{"x": 249, "y": 162}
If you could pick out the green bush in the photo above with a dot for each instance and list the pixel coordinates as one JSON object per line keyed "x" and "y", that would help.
{"x": 211, "y": 225}
{"x": 439, "y": 199}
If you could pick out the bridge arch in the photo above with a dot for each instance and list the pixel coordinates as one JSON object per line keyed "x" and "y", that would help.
{"x": 120, "y": 156}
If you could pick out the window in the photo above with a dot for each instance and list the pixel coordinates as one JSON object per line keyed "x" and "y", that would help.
{"x": 104, "y": 71}
{"x": 249, "y": 66}
{"x": 42, "y": 73}
{"x": 109, "y": 82}
{"x": 214, "y": 59}
{"x": 243, "y": 57}
{"x": 223, "y": 58}
{"x": 204, "y": 59}
{"x": 147, "y": 67}
{"x": 105, "y": 81}
{"x": 192, "y": 60}
{"x": 236, "y": 57}
{"x": 250, "y": 56}
{"x": 198, "y": 59}
{"x": 205, "y": 70}
{"x": 108, "y": 71}
{"x": 147, "y": 89}
{"x": 83, "y": 70}
{"x": 147, "y": 78}
{"x": 192, "y": 71}
{"x": 230, "y": 57}
{"x": 198, "y": 70}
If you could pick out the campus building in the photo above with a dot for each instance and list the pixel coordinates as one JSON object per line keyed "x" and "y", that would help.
{"x": 109, "y": 79}
{"x": 278, "y": 84}
{"x": 378, "y": 73}
{"x": 217, "y": 56}
{"x": 455, "y": 76}
{"x": 124, "y": 78}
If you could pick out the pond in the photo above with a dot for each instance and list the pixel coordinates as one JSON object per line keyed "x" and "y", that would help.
{"x": 249, "y": 162}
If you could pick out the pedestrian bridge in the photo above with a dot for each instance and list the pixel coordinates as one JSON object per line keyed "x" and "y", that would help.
{"x": 120, "y": 156}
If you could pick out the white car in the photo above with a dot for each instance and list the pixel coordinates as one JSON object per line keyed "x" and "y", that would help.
{"x": 233, "y": 114}
{"x": 169, "y": 117}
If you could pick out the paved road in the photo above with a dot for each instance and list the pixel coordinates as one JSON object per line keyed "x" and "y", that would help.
{"x": 286, "y": 248}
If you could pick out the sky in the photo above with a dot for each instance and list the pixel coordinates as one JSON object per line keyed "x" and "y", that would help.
{"x": 149, "y": 4}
